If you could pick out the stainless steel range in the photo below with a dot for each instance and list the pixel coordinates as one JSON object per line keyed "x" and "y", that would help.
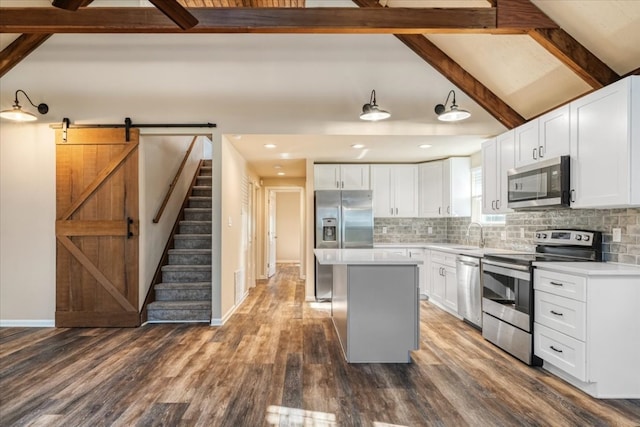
{"x": 507, "y": 292}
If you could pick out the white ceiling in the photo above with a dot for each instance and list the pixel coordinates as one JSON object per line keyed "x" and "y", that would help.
{"x": 305, "y": 92}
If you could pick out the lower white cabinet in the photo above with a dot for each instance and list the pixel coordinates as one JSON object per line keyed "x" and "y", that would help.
{"x": 443, "y": 281}
{"x": 587, "y": 329}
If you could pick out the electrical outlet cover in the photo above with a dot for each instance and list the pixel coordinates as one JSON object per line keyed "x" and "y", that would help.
{"x": 617, "y": 235}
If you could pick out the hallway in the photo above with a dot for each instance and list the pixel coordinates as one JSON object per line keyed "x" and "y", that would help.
{"x": 277, "y": 362}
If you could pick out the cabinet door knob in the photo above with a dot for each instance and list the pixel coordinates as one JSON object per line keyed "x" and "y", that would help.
{"x": 493, "y": 205}
{"x": 448, "y": 209}
{"x": 439, "y": 210}
{"x": 573, "y": 196}
{"x": 535, "y": 155}
{"x": 337, "y": 184}
{"x": 541, "y": 151}
{"x": 497, "y": 204}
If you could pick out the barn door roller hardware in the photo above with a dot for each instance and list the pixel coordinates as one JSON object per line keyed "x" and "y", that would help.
{"x": 128, "y": 124}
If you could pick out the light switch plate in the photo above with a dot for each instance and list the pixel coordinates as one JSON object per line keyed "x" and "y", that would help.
{"x": 522, "y": 232}
{"x": 617, "y": 234}
{"x": 503, "y": 235}
{"x": 384, "y": 230}
{"x": 430, "y": 230}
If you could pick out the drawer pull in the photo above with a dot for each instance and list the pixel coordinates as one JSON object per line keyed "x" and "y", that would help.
{"x": 556, "y": 313}
{"x": 556, "y": 284}
{"x": 555, "y": 349}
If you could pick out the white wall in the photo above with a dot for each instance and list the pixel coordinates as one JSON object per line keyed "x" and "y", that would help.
{"x": 159, "y": 160}
{"x": 233, "y": 230}
{"x": 27, "y": 225}
{"x": 288, "y": 226}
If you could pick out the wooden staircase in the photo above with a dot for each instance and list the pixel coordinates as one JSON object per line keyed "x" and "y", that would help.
{"x": 184, "y": 295}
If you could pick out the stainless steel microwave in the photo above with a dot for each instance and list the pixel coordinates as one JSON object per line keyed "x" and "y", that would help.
{"x": 543, "y": 184}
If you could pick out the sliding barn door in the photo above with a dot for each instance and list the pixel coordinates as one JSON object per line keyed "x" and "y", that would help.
{"x": 97, "y": 228}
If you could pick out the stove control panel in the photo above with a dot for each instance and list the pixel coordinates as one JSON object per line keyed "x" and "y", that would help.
{"x": 565, "y": 237}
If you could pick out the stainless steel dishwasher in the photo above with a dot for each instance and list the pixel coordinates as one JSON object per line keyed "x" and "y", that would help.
{"x": 469, "y": 289}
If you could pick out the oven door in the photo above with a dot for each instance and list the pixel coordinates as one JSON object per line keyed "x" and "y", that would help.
{"x": 543, "y": 184}
{"x": 507, "y": 293}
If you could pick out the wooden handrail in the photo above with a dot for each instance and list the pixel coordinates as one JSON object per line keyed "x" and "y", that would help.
{"x": 156, "y": 219}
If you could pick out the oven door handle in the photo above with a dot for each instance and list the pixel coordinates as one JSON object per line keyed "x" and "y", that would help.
{"x": 505, "y": 269}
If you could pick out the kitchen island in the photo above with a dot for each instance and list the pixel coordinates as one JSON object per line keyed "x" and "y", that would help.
{"x": 375, "y": 304}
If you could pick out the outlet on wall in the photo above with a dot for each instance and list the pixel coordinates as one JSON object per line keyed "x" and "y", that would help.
{"x": 384, "y": 230}
{"x": 617, "y": 234}
{"x": 522, "y": 232}
{"x": 430, "y": 230}
{"x": 503, "y": 235}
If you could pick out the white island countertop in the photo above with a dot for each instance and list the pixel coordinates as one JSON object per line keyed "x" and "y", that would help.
{"x": 362, "y": 257}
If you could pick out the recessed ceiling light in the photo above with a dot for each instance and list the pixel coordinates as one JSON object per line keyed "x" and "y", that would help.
{"x": 277, "y": 167}
{"x": 424, "y": 146}
{"x": 237, "y": 136}
{"x": 280, "y": 173}
{"x": 270, "y": 145}
{"x": 357, "y": 146}
{"x": 284, "y": 155}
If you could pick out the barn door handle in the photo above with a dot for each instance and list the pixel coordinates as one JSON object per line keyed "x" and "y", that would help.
{"x": 129, "y": 224}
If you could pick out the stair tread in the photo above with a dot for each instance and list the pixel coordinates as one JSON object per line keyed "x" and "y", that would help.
{"x": 183, "y": 285}
{"x": 188, "y": 251}
{"x": 186, "y": 267}
{"x": 195, "y": 221}
{"x": 200, "y": 197}
{"x": 179, "y": 305}
{"x": 192, "y": 236}
{"x": 202, "y": 187}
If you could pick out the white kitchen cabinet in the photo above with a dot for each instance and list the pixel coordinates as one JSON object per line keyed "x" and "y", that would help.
{"x": 526, "y": 143}
{"x": 543, "y": 138}
{"x": 395, "y": 190}
{"x": 430, "y": 197}
{"x": 605, "y": 147}
{"x": 497, "y": 158}
{"x": 341, "y": 177}
{"x": 443, "y": 281}
{"x": 586, "y": 326}
{"x": 445, "y": 188}
{"x": 456, "y": 184}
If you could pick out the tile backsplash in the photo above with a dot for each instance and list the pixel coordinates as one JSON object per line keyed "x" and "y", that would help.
{"x": 453, "y": 230}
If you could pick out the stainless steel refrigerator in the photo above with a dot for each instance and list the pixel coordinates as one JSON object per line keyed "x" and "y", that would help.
{"x": 344, "y": 219}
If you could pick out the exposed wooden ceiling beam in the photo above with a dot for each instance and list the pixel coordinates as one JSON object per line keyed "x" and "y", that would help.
{"x": 457, "y": 75}
{"x": 521, "y": 14}
{"x": 176, "y": 12}
{"x": 19, "y": 49}
{"x": 575, "y": 56}
{"x": 256, "y": 20}
{"x": 461, "y": 78}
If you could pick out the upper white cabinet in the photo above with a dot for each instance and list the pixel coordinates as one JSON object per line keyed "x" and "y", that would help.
{"x": 526, "y": 140}
{"x": 543, "y": 138}
{"x": 341, "y": 177}
{"x": 445, "y": 188}
{"x": 431, "y": 189}
{"x": 554, "y": 133}
{"x": 456, "y": 184}
{"x": 605, "y": 146}
{"x": 497, "y": 158}
{"x": 395, "y": 190}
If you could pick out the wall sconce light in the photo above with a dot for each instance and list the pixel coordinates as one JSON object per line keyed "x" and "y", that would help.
{"x": 18, "y": 114}
{"x": 453, "y": 114}
{"x": 371, "y": 112}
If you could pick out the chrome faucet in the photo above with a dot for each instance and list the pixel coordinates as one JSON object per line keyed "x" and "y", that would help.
{"x": 481, "y": 240}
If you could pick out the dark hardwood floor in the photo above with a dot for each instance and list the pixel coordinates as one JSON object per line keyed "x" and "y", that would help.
{"x": 277, "y": 362}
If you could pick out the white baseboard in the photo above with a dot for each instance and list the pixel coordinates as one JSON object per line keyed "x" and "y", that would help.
{"x": 223, "y": 320}
{"x": 24, "y": 323}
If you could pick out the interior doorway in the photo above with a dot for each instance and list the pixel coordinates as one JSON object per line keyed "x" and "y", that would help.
{"x": 284, "y": 228}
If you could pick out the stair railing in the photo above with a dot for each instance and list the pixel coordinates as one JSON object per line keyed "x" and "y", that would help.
{"x": 172, "y": 186}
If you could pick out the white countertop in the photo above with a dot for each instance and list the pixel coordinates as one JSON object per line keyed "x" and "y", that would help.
{"x": 591, "y": 268}
{"x": 362, "y": 256}
{"x": 453, "y": 248}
